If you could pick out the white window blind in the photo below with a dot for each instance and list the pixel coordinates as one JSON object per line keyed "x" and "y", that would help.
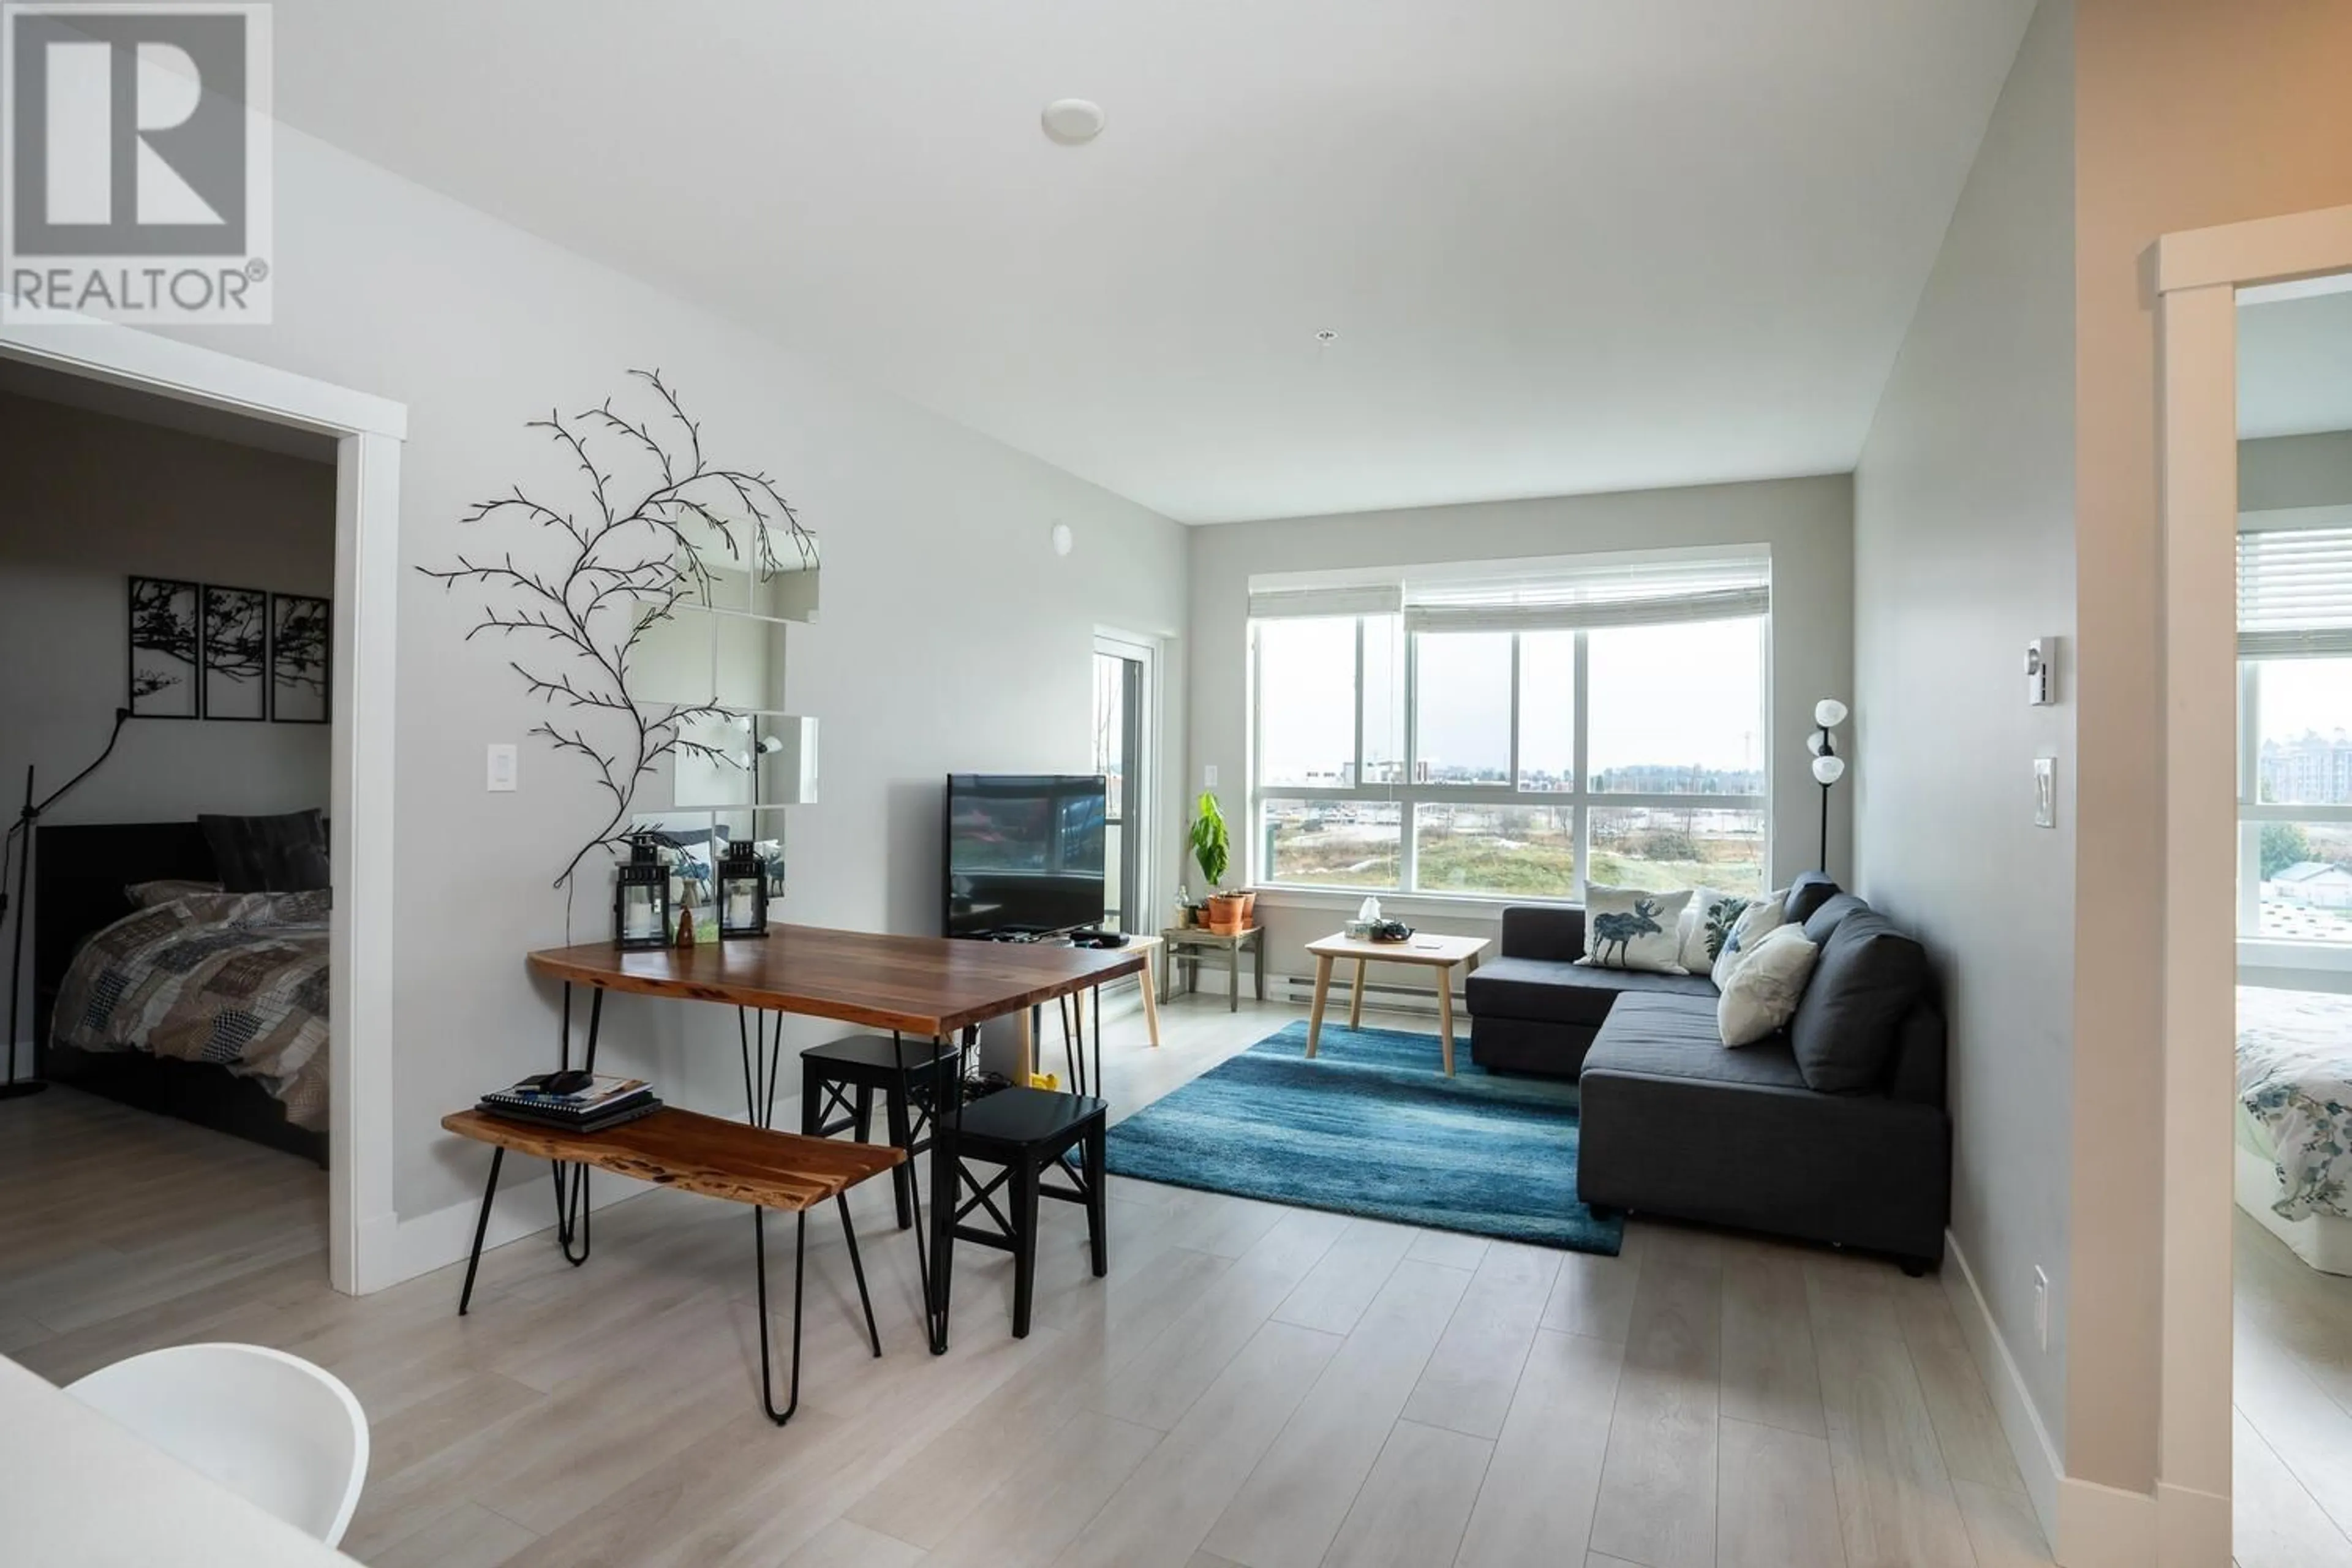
{"x": 2294, "y": 593}
{"x": 1298, "y": 603}
{"x": 1568, "y": 594}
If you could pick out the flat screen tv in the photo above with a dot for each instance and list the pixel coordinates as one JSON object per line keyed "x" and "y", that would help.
{"x": 1024, "y": 853}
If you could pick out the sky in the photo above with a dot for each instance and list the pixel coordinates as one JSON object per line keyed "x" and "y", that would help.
{"x": 1680, "y": 694}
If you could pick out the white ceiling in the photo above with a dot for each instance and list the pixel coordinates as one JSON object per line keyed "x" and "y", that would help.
{"x": 2295, "y": 365}
{"x": 1567, "y": 245}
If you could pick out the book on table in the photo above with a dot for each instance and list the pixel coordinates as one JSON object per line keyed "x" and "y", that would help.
{"x": 604, "y": 1101}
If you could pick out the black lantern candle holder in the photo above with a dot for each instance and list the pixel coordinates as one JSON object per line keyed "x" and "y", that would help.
{"x": 641, "y": 897}
{"x": 742, "y": 893}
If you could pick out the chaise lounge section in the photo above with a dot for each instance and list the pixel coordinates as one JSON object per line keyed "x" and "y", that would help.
{"x": 1675, "y": 1123}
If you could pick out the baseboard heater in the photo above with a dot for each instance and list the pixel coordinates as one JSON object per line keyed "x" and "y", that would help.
{"x": 1377, "y": 997}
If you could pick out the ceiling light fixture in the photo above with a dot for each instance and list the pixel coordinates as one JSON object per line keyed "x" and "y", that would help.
{"x": 1326, "y": 336}
{"x": 1073, "y": 122}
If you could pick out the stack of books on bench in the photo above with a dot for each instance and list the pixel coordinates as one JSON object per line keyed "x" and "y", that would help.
{"x": 574, "y": 1102}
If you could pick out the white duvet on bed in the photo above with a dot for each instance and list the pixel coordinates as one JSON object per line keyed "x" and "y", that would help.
{"x": 2295, "y": 1079}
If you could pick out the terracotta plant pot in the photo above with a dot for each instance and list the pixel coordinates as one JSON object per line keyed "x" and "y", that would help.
{"x": 1225, "y": 916}
{"x": 1249, "y": 910}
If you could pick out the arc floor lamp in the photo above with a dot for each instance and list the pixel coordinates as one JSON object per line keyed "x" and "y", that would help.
{"x": 1828, "y": 766}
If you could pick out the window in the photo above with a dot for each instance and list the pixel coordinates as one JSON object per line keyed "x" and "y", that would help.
{"x": 1514, "y": 735}
{"x": 1122, "y": 743}
{"x": 2295, "y": 752}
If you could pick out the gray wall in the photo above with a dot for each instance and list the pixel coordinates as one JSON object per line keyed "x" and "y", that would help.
{"x": 2282, "y": 472}
{"x": 1808, "y": 523}
{"x": 1964, "y": 549}
{"x": 951, "y": 635}
{"x": 85, "y": 500}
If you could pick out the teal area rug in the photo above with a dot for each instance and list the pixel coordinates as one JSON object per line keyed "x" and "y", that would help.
{"x": 1371, "y": 1127}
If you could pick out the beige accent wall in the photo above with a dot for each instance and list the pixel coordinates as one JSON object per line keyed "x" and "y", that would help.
{"x": 1964, "y": 549}
{"x": 2188, "y": 113}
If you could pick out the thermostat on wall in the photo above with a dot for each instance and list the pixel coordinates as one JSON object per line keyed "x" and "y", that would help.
{"x": 2041, "y": 656}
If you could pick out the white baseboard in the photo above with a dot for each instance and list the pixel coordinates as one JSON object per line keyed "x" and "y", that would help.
{"x": 526, "y": 1207}
{"x": 2192, "y": 1528}
{"x": 2088, "y": 1525}
{"x": 2021, "y": 1423}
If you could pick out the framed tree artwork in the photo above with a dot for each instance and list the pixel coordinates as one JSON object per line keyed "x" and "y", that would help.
{"x": 236, "y": 653}
{"x": 300, "y": 627}
{"x": 166, "y": 636}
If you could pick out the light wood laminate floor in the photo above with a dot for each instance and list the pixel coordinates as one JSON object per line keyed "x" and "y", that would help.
{"x": 2292, "y": 1446}
{"x": 1253, "y": 1386}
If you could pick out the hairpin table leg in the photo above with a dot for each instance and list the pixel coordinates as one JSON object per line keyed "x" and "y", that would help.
{"x": 481, "y": 1228}
{"x": 857, "y": 1267}
{"x": 760, "y": 1257}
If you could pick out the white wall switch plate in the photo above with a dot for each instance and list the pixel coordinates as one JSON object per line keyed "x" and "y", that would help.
{"x": 502, "y": 768}
{"x": 2042, "y": 1308}
{"x": 1208, "y": 776}
{"x": 2045, "y": 791}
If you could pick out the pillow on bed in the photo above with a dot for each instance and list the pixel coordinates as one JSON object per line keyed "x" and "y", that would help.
{"x": 165, "y": 891}
{"x": 284, "y": 854}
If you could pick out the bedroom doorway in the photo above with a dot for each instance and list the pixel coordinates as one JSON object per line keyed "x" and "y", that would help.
{"x": 2256, "y": 378}
{"x": 361, "y": 437}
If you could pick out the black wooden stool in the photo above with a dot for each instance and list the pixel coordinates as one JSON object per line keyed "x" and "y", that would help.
{"x": 841, "y": 1075}
{"x": 1026, "y": 1132}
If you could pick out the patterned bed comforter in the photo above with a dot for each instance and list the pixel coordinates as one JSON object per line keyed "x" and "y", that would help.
{"x": 2295, "y": 1073}
{"x": 240, "y": 979}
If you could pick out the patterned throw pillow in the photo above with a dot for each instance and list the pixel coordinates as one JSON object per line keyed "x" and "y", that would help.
{"x": 1766, "y": 986}
{"x": 1761, "y": 916}
{"x": 1706, "y": 923}
{"x": 1626, "y": 928}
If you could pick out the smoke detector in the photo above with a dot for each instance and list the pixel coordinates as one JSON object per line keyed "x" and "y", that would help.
{"x": 1073, "y": 122}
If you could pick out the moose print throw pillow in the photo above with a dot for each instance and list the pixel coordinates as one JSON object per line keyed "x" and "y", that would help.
{"x": 1626, "y": 928}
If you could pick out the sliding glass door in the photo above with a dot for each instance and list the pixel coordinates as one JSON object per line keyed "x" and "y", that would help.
{"x": 1121, "y": 741}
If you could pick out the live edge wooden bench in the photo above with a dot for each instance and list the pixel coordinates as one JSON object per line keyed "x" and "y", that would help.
{"x": 718, "y": 1159}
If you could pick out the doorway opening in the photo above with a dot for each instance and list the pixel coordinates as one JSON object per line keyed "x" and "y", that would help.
{"x": 1123, "y": 733}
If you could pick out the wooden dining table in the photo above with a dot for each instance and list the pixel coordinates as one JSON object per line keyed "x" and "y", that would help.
{"x": 934, "y": 989}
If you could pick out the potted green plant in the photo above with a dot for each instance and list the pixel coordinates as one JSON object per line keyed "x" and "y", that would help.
{"x": 1212, "y": 852}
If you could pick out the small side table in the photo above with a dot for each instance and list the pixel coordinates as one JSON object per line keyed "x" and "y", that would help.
{"x": 1188, "y": 942}
{"x": 1438, "y": 953}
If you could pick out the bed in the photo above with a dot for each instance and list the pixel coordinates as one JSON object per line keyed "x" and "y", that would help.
{"x": 204, "y": 1005}
{"x": 2295, "y": 1120}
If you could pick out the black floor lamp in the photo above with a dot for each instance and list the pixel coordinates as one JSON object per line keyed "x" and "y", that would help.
{"x": 1828, "y": 766}
{"x": 20, "y": 843}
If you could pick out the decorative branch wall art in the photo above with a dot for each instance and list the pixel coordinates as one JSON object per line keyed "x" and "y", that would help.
{"x": 236, "y": 653}
{"x": 165, "y": 636}
{"x": 299, "y": 628}
{"x": 654, "y": 528}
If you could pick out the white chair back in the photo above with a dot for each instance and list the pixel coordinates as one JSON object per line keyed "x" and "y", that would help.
{"x": 279, "y": 1432}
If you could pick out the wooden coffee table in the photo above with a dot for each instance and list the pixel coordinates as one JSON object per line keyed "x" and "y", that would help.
{"x": 1438, "y": 953}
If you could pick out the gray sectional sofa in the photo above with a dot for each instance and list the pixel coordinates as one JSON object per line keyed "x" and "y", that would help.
{"x": 1833, "y": 1130}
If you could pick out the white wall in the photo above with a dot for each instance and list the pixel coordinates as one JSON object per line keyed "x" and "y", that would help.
{"x": 2281, "y": 472}
{"x": 950, "y": 636}
{"x": 1964, "y": 549}
{"x": 86, "y": 499}
{"x": 1808, "y": 523}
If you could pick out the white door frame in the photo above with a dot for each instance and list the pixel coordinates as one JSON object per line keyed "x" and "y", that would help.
{"x": 368, "y": 433}
{"x": 2197, "y": 276}
{"x": 1142, "y": 772}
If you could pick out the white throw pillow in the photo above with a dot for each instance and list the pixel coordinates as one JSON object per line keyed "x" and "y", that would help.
{"x": 1706, "y": 925}
{"x": 1766, "y": 986}
{"x": 1761, "y": 915}
{"x": 1626, "y": 928}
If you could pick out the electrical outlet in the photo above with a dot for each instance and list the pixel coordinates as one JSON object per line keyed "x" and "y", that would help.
{"x": 1208, "y": 776}
{"x": 2042, "y": 1308}
{"x": 502, "y": 768}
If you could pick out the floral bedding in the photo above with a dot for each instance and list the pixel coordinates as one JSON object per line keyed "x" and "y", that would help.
{"x": 240, "y": 979}
{"x": 2295, "y": 1075}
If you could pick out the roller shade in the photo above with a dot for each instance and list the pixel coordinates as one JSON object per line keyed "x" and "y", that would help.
{"x": 1565, "y": 594}
{"x": 1338, "y": 599}
{"x": 2294, "y": 593}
